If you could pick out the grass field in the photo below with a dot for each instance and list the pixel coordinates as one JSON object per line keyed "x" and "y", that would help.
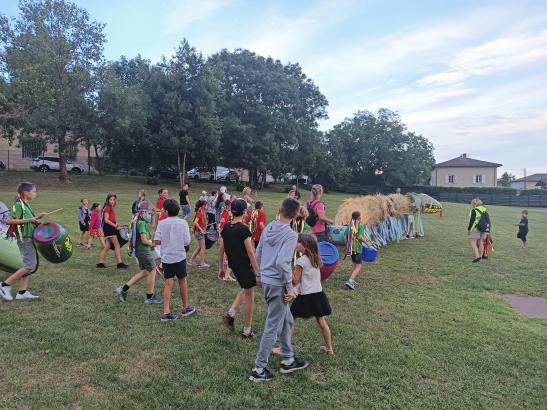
{"x": 425, "y": 329}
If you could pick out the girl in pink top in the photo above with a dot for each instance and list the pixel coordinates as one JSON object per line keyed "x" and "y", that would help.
{"x": 95, "y": 230}
{"x": 317, "y": 206}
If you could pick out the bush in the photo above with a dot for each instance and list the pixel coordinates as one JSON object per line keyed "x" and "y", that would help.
{"x": 155, "y": 180}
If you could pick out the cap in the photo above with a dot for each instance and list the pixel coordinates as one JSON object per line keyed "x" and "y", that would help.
{"x": 238, "y": 207}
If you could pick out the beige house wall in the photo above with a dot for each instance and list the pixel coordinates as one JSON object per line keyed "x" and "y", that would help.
{"x": 13, "y": 156}
{"x": 464, "y": 177}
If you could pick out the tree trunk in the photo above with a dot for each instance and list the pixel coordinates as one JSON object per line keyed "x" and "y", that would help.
{"x": 88, "y": 157}
{"x": 61, "y": 142}
{"x": 253, "y": 177}
{"x": 182, "y": 171}
{"x": 97, "y": 159}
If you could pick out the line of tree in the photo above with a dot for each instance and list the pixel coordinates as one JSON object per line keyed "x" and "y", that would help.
{"x": 234, "y": 108}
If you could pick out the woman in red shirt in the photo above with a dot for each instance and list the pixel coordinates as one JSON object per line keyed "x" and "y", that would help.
{"x": 163, "y": 193}
{"x": 200, "y": 226}
{"x": 110, "y": 229}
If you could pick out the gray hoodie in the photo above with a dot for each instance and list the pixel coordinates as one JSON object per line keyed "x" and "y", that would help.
{"x": 274, "y": 254}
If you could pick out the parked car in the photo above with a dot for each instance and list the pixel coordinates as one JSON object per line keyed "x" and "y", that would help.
{"x": 46, "y": 164}
{"x": 167, "y": 172}
{"x": 213, "y": 174}
{"x": 301, "y": 180}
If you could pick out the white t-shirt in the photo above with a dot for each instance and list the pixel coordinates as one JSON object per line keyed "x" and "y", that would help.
{"x": 174, "y": 235}
{"x": 310, "y": 282}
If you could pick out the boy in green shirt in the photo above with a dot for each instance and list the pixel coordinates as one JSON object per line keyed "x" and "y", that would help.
{"x": 24, "y": 221}
{"x": 146, "y": 255}
{"x": 357, "y": 238}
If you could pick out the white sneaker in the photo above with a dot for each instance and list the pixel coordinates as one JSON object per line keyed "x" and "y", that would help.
{"x": 5, "y": 292}
{"x": 26, "y": 295}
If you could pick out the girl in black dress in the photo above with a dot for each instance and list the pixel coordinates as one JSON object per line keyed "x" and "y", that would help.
{"x": 523, "y": 228}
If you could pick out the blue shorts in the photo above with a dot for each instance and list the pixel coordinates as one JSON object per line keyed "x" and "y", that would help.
{"x": 186, "y": 210}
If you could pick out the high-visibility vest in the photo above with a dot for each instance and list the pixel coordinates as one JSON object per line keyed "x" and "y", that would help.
{"x": 479, "y": 210}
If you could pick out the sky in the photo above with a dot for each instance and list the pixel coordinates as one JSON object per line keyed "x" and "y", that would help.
{"x": 471, "y": 76}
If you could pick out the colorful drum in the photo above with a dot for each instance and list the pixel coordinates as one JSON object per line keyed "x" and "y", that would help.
{"x": 337, "y": 234}
{"x": 369, "y": 253}
{"x": 123, "y": 237}
{"x": 53, "y": 242}
{"x": 211, "y": 236}
{"x": 329, "y": 256}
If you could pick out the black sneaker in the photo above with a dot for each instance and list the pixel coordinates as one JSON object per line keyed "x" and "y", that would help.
{"x": 297, "y": 364}
{"x": 122, "y": 265}
{"x": 476, "y": 260}
{"x": 265, "y": 376}
{"x": 100, "y": 266}
{"x": 485, "y": 257}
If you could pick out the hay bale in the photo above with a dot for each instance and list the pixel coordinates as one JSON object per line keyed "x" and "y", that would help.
{"x": 401, "y": 205}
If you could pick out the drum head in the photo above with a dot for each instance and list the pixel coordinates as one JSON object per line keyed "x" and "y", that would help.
{"x": 329, "y": 253}
{"x": 47, "y": 232}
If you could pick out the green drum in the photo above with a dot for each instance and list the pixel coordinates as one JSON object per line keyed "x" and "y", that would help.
{"x": 53, "y": 242}
{"x": 10, "y": 257}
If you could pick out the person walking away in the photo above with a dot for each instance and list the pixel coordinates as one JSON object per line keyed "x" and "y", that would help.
{"x": 478, "y": 228}
{"x": 185, "y": 201}
{"x": 317, "y": 218}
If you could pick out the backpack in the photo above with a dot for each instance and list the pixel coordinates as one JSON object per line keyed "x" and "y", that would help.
{"x": 312, "y": 218}
{"x": 484, "y": 221}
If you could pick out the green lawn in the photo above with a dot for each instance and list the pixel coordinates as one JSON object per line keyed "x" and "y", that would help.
{"x": 426, "y": 328}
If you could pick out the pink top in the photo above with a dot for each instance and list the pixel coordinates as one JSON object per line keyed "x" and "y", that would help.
{"x": 320, "y": 225}
{"x": 95, "y": 220}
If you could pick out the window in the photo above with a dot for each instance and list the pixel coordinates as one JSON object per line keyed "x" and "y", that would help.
{"x": 452, "y": 179}
{"x": 479, "y": 179}
{"x": 32, "y": 149}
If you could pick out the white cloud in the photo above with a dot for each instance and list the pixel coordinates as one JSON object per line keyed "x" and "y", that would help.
{"x": 498, "y": 55}
{"x": 182, "y": 13}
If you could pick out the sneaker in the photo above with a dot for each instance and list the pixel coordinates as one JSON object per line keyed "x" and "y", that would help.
{"x": 168, "y": 317}
{"x": 5, "y": 292}
{"x": 80, "y": 245}
{"x": 251, "y": 335}
{"x": 297, "y": 364}
{"x": 229, "y": 321}
{"x": 26, "y": 295}
{"x": 350, "y": 283}
{"x": 100, "y": 266}
{"x": 204, "y": 265}
{"x": 191, "y": 263}
{"x": 153, "y": 301}
{"x": 122, "y": 265}
{"x": 190, "y": 310}
{"x": 485, "y": 257}
{"x": 476, "y": 260}
{"x": 122, "y": 295}
{"x": 265, "y": 376}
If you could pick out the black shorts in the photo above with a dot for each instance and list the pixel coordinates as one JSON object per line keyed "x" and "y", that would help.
{"x": 357, "y": 258}
{"x": 84, "y": 228}
{"x": 178, "y": 269}
{"x": 245, "y": 278}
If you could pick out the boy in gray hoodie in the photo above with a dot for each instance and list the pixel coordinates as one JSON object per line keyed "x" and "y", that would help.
{"x": 274, "y": 256}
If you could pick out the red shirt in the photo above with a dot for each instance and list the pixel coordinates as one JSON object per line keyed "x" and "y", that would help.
{"x": 224, "y": 218}
{"x": 260, "y": 218}
{"x": 159, "y": 205}
{"x": 200, "y": 219}
{"x": 111, "y": 214}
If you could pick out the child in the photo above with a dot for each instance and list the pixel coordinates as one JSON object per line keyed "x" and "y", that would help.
{"x": 236, "y": 240}
{"x": 145, "y": 254}
{"x": 141, "y": 196}
{"x": 199, "y": 227}
{"x": 95, "y": 230}
{"x": 110, "y": 230}
{"x": 256, "y": 221}
{"x": 523, "y": 228}
{"x": 355, "y": 247}
{"x": 22, "y": 222}
{"x": 163, "y": 193}
{"x": 173, "y": 234}
{"x": 83, "y": 219}
{"x": 311, "y": 300}
{"x": 185, "y": 201}
{"x": 211, "y": 212}
{"x": 225, "y": 218}
{"x": 274, "y": 256}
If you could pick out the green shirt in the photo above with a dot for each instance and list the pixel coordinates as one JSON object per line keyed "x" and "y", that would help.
{"x": 22, "y": 210}
{"x": 358, "y": 246}
{"x": 142, "y": 228}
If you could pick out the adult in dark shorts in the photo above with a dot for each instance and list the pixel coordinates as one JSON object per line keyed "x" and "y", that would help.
{"x": 238, "y": 245}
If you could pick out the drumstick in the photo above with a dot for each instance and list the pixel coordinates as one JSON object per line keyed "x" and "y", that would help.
{"x": 53, "y": 212}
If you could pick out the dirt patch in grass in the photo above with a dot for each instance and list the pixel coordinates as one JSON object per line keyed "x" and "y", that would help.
{"x": 529, "y": 306}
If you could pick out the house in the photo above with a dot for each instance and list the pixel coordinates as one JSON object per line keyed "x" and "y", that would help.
{"x": 18, "y": 156}
{"x": 534, "y": 181}
{"x": 465, "y": 172}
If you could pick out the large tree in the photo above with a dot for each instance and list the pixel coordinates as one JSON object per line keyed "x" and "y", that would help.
{"x": 269, "y": 112}
{"x": 51, "y": 53}
{"x": 506, "y": 179}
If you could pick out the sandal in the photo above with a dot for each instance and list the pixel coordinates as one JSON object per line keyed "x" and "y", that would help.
{"x": 327, "y": 351}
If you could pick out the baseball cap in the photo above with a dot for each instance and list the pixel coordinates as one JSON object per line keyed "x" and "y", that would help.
{"x": 238, "y": 207}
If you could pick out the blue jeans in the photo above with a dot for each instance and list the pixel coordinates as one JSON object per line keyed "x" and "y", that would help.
{"x": 278, "y": 324}
{"x": 186, "y": 210}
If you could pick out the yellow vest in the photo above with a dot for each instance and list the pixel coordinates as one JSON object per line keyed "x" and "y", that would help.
{"x": 479, "y": 211}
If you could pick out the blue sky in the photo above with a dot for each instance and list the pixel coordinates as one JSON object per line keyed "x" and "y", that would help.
{"x": 469, "y": 75}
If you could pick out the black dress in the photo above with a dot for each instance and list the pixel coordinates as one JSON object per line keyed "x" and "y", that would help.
{"x": 523, "y": 229}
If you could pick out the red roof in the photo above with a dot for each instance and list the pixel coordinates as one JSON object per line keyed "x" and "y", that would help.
{"x": 533, "y": 178}
{"x": 464, "y": 161}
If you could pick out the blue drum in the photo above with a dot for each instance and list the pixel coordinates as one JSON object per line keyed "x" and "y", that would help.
{"x": 329, "y": 256}
{"x": 369, "y": 253}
